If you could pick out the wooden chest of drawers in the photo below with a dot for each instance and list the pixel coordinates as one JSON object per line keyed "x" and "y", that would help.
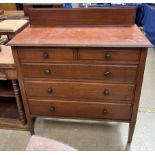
{"x": 55, "y": 82}
{"x": 78, "y": 78}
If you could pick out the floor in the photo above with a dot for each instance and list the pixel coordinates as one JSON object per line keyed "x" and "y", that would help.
{"x": 97, "y": 135}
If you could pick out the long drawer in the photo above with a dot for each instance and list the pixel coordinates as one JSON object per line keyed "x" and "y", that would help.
{"x": 113, "y": 73}
{"x": 80, "y": 109}
{"x": 79, "y": 90}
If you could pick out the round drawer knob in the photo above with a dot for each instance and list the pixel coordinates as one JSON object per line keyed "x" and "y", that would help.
{"x": 52, "y": 109}
{"x": 107, "y": 74}
{"x": 107, "y": 56}
{"x": 47, "y": 71}
{"x": 49, "y": 90}
{"x": 104, "y": 111}
{"x": 106, "y": 92}
{"x": 45, "y": 55}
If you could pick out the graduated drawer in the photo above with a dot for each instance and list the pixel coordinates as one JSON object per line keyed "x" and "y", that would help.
{"x": 80, "y": 109}
{"x": 109, "y": 54}
{"x": 113, "y": 73}
{"x": 34, "y": 54}
{"x": 79, "y": 90}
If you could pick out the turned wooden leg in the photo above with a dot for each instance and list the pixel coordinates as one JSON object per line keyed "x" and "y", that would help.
{"x": 21, "y": 112}
{"x": 131, "y": 131}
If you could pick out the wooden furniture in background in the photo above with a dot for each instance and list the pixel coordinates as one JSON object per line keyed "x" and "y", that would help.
{"x": 12, "y": 114}
{"x": 79, "y": 68}
{"x": 13, "y": 15}
{"x": 37, "y": 143}
{"x": 12, "y": 27}
{"x": 8, "y": 6}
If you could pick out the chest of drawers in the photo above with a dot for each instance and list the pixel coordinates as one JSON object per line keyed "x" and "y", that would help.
{"x": 81, "y": 77}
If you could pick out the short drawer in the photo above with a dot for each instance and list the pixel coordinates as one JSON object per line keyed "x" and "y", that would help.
{"x": 113, "y": 73}
{"x": 8, "y": 73}
{"x": 44, "y": 54}
{"x": 109, "y": 54}
{"x": 80, "y": 109}
{"x": 79, "y": 90}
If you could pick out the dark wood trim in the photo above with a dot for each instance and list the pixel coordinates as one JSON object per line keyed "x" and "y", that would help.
{"x": 131, "y": 131}
{"x": 83, "y": 16}
{"x": 139, "y": 83}
{"x": 137, "y": 93}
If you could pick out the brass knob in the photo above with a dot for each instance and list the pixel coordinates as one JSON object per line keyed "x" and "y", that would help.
{"x": 47, "y": 71}
{"x": 104, "y": 111}
{"x": 107, "y": 74}
{"x": 52, "y": 109}
{"x": 107, "y": 56}
{"x": 49, "y": 90}
{"x": 106, "y": 92}
{"x": 45, "y": 55}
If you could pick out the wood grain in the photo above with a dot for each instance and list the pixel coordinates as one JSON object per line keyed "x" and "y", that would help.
{"x": 117, "y": 73}
{"x": 6, "y": 58}
{"x": 77, "y": 58}
{"x": 22, "y": 89}
{"x": 31, "y": 54}
{"x": 129, "y": 36}
{"x": 7, "y": 123}
{"x": 137, "y": 94}
{"x": 93, "y": 110}
{"x": 79, "y": 90}
{"x": 37, "y": 54}
{"x": 82, "y": 16}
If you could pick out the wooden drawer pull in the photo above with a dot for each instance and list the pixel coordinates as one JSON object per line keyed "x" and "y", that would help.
{"x": 45, "y": 55}
{"x": 49, "y": 90}
{"x": 106, "y": 92}
{"x": 47, "y": 71}
{"x": 105, "y": 112}
{"x": 107, "y": 74}
{"x": 52, "y": 109}
{"x": 107, "y": 56}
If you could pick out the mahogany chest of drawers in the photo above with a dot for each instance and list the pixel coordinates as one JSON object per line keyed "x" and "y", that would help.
{"x": 95, "y": 76}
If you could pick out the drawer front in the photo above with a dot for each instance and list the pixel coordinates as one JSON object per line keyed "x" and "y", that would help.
{"x": 80, "y": 109}
{"x": 79, "y": 90}
{"x": 113, "y": 54}
{"x": 45, "y": 54}
{"x": 3, "y": 75}
{"x": 8, "y": 73}
{"x": 113, "y": 73}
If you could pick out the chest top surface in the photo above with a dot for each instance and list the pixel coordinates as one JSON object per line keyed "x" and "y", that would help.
{"x": 129, "y": 36}
{"x": 82, "y": 28}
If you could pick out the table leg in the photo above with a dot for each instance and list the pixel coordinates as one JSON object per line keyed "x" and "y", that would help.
{"x": 20, "y": 107}
{"x": 131, "y": 131}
